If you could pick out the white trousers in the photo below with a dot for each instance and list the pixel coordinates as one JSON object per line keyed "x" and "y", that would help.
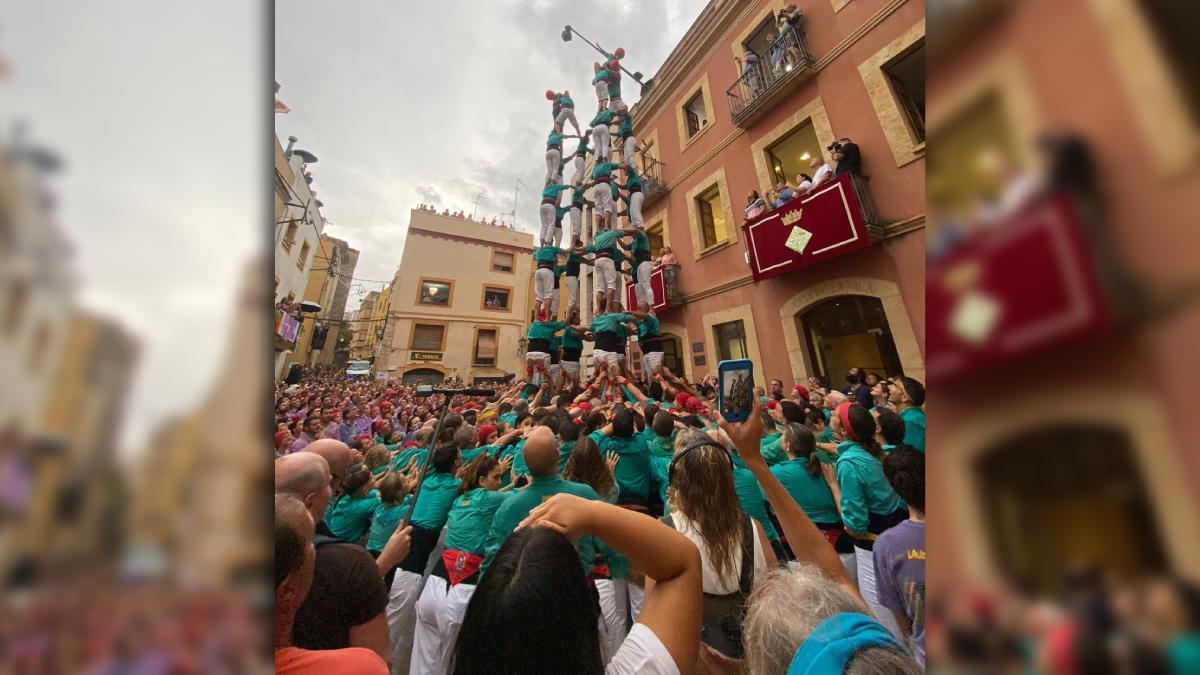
{"x": 635, "y": 209}
{"x": 600, "y": 142}
{"x": 554, "y": 295}
{"x": 576, "y": 224}
{"x": 572, "y": 291}
{"x": 546, "y": 214}
{"x": 543, "y": 283}
{"x": 553, "y": 159}
{"x": 606, "y": 274}
{"x": 440, "y": 612}
{"x": 578, "y": 163}
{"x": 629, "y": 148}
{"x": 532, "y": 362}
{"x": 402, "y": 617}
{"x": 870, "y": 592}
{"x": 616, "y": 104}
{"x": 565, "y": 114}
{"x": 614, "y": 606}
{"x": 602, "y": 91}
{"x": 602, "y": 195}
{"x": 652, "y": 361}
{"x": 558, "y": 236}
{"x": 642, "y": 288}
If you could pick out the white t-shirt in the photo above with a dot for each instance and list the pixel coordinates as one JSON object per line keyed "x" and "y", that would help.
{"x": 822, "y": 174}
{"x": 712, "y": 583}
{"x": 804, "y": 186}
{"x": 642, "y": 652}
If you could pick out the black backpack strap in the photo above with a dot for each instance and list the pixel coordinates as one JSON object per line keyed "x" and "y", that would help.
{"x": 746, "y": 581}
{"x": 668, "y": 520}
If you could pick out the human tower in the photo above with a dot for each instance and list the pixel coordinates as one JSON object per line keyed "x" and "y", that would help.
{"x": 618, "y": 246}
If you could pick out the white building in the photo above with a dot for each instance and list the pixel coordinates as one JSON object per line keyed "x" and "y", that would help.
{"x": 37, "y": 289}
{"x": 298, "y": 226}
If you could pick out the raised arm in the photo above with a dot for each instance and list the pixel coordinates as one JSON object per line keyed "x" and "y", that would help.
{"x": 672, "y": 611}
{"x": 805, "y": 539}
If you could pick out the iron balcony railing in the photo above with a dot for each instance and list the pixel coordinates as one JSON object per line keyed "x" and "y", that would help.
{"x": 653, "y": 185}
{"x": 762, "y": 77}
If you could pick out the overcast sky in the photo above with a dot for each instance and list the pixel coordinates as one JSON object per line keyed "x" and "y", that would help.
{"x": 408, "y": 102}
{"x": 151, "y": 105}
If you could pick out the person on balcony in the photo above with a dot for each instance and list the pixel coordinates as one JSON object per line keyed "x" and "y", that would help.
{"x": 751, "y": 74}
{"x": 822, "y": 172}
{"x": 775, "y": 51}
{"x": 755, "y": 206}
{"x": 783, "y": 195}
{"x": 804, "y": 183}
{"x": 847, "y": 156}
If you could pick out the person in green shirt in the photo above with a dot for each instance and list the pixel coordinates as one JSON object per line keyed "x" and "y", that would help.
{"x": 609, "y": 332}
{"x": 771, "y": 445}
{"x": 572, "y": 346}
{"x": 541, "y": 457}
{"x": 607, "y": 261}
{"x": 628, "y": 140}
{"x": 602, "y": 179}
{"x": 559, "y": 212}
{"x": 537, "y": 352}
{"x": 802, "y": 477}
{"x": 579, "y": 157}
{"x": 545, "y": 258}
{"x": 551, "y": 196}
{"x": 633, "y": 469}
{"x": 566, "y": 111}
{"x": 393, "y": 504}
{"x": 650, "y": 342}
{"x": 578, "y": 201}
{"x": 615, "y": 103}
{"x": 349, "y": 515}
{"x": 554, "y": 154}
{"x": 452, "y": 581}
{"x": 601, "y": 83}
{"x": 601, "y": 134}
{"x": 908, "y": 395}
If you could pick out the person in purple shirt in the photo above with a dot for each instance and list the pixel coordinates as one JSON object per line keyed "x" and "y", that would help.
{"x": 312, "y": 427}
{"x": 354, "y": 425}
{"x": 899, "y": 553}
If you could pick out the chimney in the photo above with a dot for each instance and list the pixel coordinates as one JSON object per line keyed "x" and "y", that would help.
{"x": 291, "y": 144}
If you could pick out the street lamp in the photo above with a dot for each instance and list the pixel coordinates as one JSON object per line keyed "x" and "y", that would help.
{"x": 637, "y": 76}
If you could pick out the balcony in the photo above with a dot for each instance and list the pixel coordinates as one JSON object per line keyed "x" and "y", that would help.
{"x": 653, "y": 185}
{"x": 287, "y": 328}
{"x": 776, "y": 74}
{"x": 830, "y": 221}
{"x": 664, "y": 282}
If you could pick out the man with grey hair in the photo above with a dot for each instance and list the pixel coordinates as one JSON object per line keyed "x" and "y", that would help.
{"x": 793, "y": 604}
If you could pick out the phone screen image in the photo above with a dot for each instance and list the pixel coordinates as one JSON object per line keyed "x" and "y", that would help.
{"x": 736, "y": 393}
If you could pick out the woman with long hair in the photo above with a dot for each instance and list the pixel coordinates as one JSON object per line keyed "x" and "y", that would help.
{"x": 754, "y": 205}
{"x": 867, "y": 502}
{"x": 533, "y": 611}
{"x": 704, "y": 507}
{"x": 449, "y": 587}
{"x": 586, "y": 465}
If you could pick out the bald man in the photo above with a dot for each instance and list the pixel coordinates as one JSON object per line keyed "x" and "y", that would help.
{"x": 345, "y": 606}
{"x": 305, "y": 475}
{"x": 337, "y": 454}
{"x": 541, "y": 458}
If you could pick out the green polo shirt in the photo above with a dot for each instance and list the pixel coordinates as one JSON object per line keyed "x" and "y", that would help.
{"x": 633, "y": 471}
{"x": 605, "y": 240}
{"x": 812, "y": 493}
{"x": 625, "y": 128}
{"x": 571, "y": 340}
{"x": 604, "y": 170}
{"x": 865, "y": 490}
{"x": 544, "y": 330}
{"x": 578, "y": 199}
{"x": 552, "y": 191}
{"x": 554, "y": 140}
{"x": 509, "y": 418}
{"x": 470, "y": 519}
{"x": 564, "y": 454}
{"x": 582, "y": 148}
{"x": 546, "y": 254}
{"x": 387, "y": 517}
{"x": 771, "y": 447}
{"x": 914, "y": 427}
{"x": 751, "y": 496}
{"x": 640, "y": 244}
{"x": 433, "y": 504}
{"x": 602, "y": 74}
{"x": 514, "y": 509}
{"x": 566, "y": 102}
{"x": 350, "y": 516}
{"x": 659, "y": 446}
{"x": 611, "y": 323}
{"x": 559, "y": 212}
{"x": 403, "y": 457}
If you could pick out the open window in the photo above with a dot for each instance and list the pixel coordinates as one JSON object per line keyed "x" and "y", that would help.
{"x": 496, "y": 298}
{"x": 712, "y": 224}
{"x": 436, "y": 292}
{"x": 695, "y": 114}
{"x": 906, "y": 75}
{"x": 731, "y": 340}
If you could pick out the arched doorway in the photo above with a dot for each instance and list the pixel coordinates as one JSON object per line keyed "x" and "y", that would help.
{"x": 1058, "y": 495}
{"x": 847, "y": 331}
{"x": 423, "y": 376}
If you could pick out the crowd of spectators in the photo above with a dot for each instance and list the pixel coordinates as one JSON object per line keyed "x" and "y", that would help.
{"x": 463, "y": 215}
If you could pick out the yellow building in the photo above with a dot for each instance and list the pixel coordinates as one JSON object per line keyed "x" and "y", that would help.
{"x": 327, "y": 284}
{"x": 362, "y": 345}
{"x": 459, "y": 303}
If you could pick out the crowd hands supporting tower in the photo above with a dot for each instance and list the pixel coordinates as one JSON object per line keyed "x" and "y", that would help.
{"x": 602, "y": 522}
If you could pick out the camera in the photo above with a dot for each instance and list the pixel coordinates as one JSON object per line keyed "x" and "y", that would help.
{"x": 834, "y": 147}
